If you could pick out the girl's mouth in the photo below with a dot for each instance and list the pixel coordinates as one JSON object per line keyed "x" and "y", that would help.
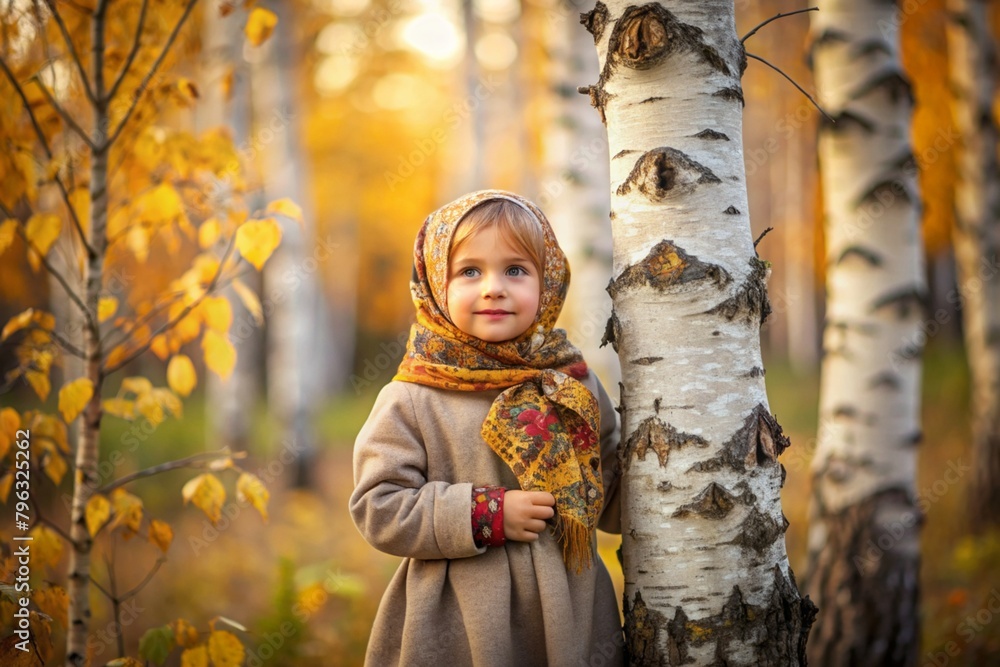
{"x": 493, "y": 312}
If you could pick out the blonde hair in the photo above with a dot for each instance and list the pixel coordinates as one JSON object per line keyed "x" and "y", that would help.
{"x": 512, "y": 221}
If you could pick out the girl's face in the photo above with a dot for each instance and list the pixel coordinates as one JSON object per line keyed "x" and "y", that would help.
{"x": 493, "y": 288}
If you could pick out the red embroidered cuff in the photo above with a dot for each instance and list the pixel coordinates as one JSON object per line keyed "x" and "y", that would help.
{"x": 487, "y": 516}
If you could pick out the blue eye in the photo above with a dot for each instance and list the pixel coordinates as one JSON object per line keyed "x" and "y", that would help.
{"x": 516, "y": 271}
{"x": 470, "y": 273}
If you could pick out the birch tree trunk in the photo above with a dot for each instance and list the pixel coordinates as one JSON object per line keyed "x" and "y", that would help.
{"x": 864, "y": 551}
{"x": 573, "y": 191}
{"x": 229, "y": 400}
{"x": 290, "y": 275}
{"x": 972, "y": 71}
{"x": 707, "y": 579}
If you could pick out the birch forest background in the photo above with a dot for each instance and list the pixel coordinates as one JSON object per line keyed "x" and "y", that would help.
{"x": 207, "y": 213}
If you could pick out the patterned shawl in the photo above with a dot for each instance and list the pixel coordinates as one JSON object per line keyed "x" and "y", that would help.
{"x": 545, "y": 424}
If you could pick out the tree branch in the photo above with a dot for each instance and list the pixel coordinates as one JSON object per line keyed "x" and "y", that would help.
{"x": 191, "y": 306}
{"x": 131, "y": 55}
{"x": 80, "y": 132}
{"x": 137, "y": 94}
{"x": 74, "y": 297}
{"x": 142, "y": 584}
{"x": 190, "y": 461}
{"x": 65, "y": 344}
{"x": 777, "y": 16}
{"x": 762, "y": 235}
{"x": 72, "y": 51}
{"x": 815, "y": 104}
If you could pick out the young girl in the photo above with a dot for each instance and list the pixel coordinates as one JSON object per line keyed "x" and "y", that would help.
{"x": 489, "y": 460}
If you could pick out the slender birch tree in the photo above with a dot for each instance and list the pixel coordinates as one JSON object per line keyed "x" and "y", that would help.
{"x": 972, "y": 72}
{"x": 573, "y": 191}
{"x": 707, "y": 579}
{"x": 864, "y": 552}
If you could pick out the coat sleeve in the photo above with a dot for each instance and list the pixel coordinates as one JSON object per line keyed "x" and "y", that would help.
{"x": 393, "y": 505}
{"x": 610, "y": 520}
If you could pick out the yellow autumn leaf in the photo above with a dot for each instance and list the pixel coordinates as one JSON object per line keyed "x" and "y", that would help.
{"x": 208, "y": 233}
{"x": 42, "y": 231}
{"x": 196, "y": 656}
{"x": 137, "y": 240}
{"x": 49, "y": 427}
{"x": 53, "y": 601}
{"x": 169, "y": 401}
{"x": 42, "y": 319}
{"x": 257, "y": 239}
{"x": 260, "y": 25}
{"x": 225, "y": 649}
{"x": 188, "y": 328}
{"x": 150, "y": 408}
{"x": 119, "y": 407}
{"x": 5, "y": 483}
{"x": 287, "y": 208}
{"x": 250, "y": 300}
{"x": 128, "y": 512}
{"x": 55, "y": 467}
{"x": 181, "y": 375}
{"x": 162, "y": 204}
{"x": 249, "y": 488}
{"x": 10, "y": 422}
{"x": 185, "y": 634}
{"x": 97, "y": 513}
{"x": 160, "y": 534}
{"x": 106, "y": 307}
{"x": 73, "y": 398}
{"x": 137, "y": 385}
{"x": 217, "y": 313}
{"x": 8, "y": 229}
{"x": 160, "y": 346}
{"x": 207, "y": 494}
{"x": 220, "y": 355}
{"x": 205, "y": 269}
{"x": 117, "y": 355}
{"x": 46, "y": 546}
{"x": 39, "y": 382}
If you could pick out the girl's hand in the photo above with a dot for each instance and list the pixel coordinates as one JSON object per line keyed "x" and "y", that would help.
{"x": 525, "y": 512}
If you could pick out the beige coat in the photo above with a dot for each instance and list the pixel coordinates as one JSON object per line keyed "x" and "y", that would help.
{"x": 452, "y": 604}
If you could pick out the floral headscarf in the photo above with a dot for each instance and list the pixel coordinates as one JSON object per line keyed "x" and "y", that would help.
{"x": 545, "y": 424}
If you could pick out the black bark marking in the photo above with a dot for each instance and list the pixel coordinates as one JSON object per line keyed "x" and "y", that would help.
{"x": 756, "y": 372}
{"x": 891, "y": 81}
{"x": 866, "y": 254}
{"x": 906, "y": 162}
{"x": 904, "y": 301}
{"x": 656, "y": 405}
{"x": 870, "y": 46}
{"x": 623, "y": 153}
{"x": 846, "y": 412}
{"x": 654, "y": 435}
{"x": 643, "y": 627}
{"x": 646, "y": 361}
{"x": 651, "y": 99}
{"x": 885, "y": 192}
{"x": 750, "y": 300}
{"x": 731, "y": 94}
{"x": 611, "y": 331}
{"x": 595, "y": 20}
{"x": 665, "y": 172}
{"x": 666, "y": 265}
{"x": 759, "y": 442}
{"x": 677, "y": 639}
{"x": 598, "y": 97}
{"x": 913, "y": 439}
{"x": 732, "y": 210}
{"x": 645, "y": 35}
{"x": 845, "y": 120}
{"x": 887, "y": 379}
{"x": 711, "y": 134}
{"x": 758, "y": 532}
{"x": 714, "y": 502}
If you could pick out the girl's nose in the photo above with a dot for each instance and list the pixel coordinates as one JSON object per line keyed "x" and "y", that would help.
{"x": 493, "y": 286}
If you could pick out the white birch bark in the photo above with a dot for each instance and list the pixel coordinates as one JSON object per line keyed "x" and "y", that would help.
{"x": 972, "y": 73}
{"x": 864, "y": 532}
{"x": 230, "y": 401}
{"x": 707, "y": 579}
{"x": 573, "y": 191}
{"x": 290, "y": 276}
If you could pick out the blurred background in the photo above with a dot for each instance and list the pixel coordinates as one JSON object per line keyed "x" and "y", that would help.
{"x": 369, "y": 114}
